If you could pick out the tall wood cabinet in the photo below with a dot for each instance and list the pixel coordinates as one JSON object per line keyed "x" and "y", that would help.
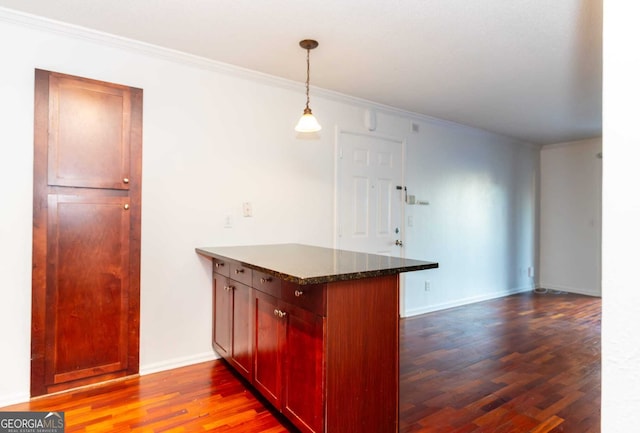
{"x": 86, "y": 231}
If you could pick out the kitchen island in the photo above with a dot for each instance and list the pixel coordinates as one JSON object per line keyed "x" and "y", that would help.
{"x": 314, "y": 330}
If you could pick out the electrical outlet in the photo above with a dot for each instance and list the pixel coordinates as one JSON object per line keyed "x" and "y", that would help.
{"x": 247, "y": 209}
{"x": 530, "y": 272}
{"x": 427, "y": 286}
{"x": 228, "y": 222}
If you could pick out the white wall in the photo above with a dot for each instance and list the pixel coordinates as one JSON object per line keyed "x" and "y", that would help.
{"x": 480, "y": 223}
{"x": 570, "y": 217}
{"x": 621, "y": 218}
{"x": 216, "y": 136}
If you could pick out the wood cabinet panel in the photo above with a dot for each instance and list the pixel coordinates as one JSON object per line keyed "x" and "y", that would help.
{"x": 311, "y": 297}
{"x": 266, "y": 283}
{"x": 267, "y": 371}
{"x": 303, "y": 387}
{"x": 87, "y": 281}
{"x": 222, "y": 315}
{"x": 86, "y": 232}
{"x": 240, "y": 273}
{"x": 89, "y": 133}
{"x": 325, "y": 355}
{"x": 242, "y": 329}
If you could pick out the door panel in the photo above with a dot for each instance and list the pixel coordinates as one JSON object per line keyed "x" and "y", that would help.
{"x": 304, "y": 366}
{"x": 89, "y": 140}
{"x": 269, "y": 338}
{"x": 242, "y": 329}
{"x": 85, "y": 315}
{"x": 222, "y": 301}
{"x": 88, "y": 278}
{"x": 370, "y": 194}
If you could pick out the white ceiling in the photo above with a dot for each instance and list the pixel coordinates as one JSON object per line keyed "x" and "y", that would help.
{"x": 529, "y": 69}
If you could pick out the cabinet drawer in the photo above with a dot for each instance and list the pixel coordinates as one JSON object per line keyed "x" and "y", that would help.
{"x": 267, "y": 283}
{"x": 221, "y": 267}
{"x": 311, "y": 297}
{"x": 240, "y": 273}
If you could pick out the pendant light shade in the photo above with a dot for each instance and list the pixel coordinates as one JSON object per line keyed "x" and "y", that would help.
{"x": 308, "y": 122}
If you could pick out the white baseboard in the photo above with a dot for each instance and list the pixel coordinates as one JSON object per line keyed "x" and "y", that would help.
{"x": 465, "y": 301}
{"x": 177, "y": 362}
{"x": 576, "y": 290}
{"x": 9, "y": 399}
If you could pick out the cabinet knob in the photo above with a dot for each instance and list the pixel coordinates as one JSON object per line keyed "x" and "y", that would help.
{"x": 265, "y": 280}
{"x": 125, "y": 180}
{"x": 298, "y": 293}
{"x": 126, "y": 206}
{"x": 240, "y": 271}
{"x": 229, "y": 288}
{"x": 219, "y": 264}
{"x": 279, "y": 313}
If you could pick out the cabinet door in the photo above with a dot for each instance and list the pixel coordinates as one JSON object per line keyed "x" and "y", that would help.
{"x": 222, "y": 303}
{"x": 87, "y": 283}
{"x": 303, "y": 388}
{"x": 89, "y": 133}
{"x": 242, "y": 329}
{"x": 268, "y": 350}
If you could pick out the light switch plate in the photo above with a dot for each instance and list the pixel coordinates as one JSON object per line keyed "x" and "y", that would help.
{"x": 247, "y": 209}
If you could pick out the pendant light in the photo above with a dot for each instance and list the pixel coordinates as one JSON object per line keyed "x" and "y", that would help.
{"x": 308, "y": 122}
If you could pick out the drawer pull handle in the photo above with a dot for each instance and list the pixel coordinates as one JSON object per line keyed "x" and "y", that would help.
{"x": 219, "y": 264}
{"x": 239, "y": 271}
{"x": 125, "y": 180}
{"x": 298, "y": 293}
{"x": 279, "y": 313}
{"x": 265, "y": 280}
{"x": 126, "y": 206}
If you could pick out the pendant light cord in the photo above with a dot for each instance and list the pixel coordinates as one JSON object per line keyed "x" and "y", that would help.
{"x": 307, "y": 107}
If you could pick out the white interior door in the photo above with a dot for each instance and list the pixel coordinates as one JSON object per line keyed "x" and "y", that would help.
{"x": 370, "y": 194}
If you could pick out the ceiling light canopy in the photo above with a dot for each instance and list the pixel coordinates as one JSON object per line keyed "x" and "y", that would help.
{"x": 308, "y": 122}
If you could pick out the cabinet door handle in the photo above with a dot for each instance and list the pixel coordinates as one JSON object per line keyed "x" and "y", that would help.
{"x": 240, "y": 271}
{"x": 125, "y": 180}
{"x": 265, "y": 280}
{"x": 298, "y": 293}
{"x": 279, "y": 313}
{"x": 229, "y": 288}
{"x": 219, "y": 265}
{"x": 126, "y": 206}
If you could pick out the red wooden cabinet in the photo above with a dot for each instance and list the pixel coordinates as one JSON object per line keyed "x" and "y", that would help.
{"x": 86, "y": 232}
{"x": 303, "y": 373}
{"x": 232, "y": 335}
{"x": 222, "y": 315}
{"x": 289, "y": 360}
{"x": 325, "y": 355}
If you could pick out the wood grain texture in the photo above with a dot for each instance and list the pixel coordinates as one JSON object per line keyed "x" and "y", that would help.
{"x": 525, "y": 363}
{"x": 86, "y": 231}
{"x": 202, "y": 397}
{"x": 362, "y": 359}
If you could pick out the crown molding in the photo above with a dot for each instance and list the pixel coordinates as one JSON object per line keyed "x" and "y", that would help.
{"x": 83, "y": 33}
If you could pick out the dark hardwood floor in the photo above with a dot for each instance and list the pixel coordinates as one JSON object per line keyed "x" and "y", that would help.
{"x": 525, "y": 363}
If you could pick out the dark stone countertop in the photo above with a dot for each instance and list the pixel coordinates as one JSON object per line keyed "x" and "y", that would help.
{"x": 305, "y": 264}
